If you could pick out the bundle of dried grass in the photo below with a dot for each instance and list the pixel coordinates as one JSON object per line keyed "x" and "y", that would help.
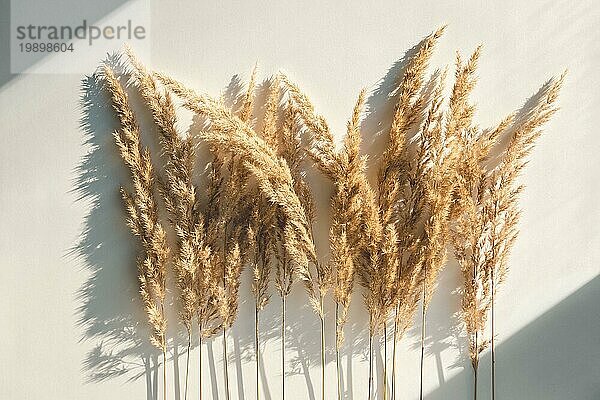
{"x": 142, "y": 216}
{"x": 389, "y": 245}
{"x": 393, "y": 238}
{"x": 234, "y": 227}
{"x": 193, "y": 260}
{"x": 293, "y": 151}
{"x": 354, "y": 222}
{"x": 440, "y": 155}
{"x": 273, "y": 175}
{"x": 278, "y": 184}
{"x": 402, "y": 192}
{"x": 356, "y": 232}
{"x": 487, "y": 212}
{"x": 343, "y": 236}
{"x": 269, "y": 246}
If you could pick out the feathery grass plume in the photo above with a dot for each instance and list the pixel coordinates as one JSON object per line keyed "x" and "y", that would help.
{"x": 228, "y": 132}
{"x": 400, "y": 185}
{"x": 360, "y": 219}
{"x": 228, "y": 231}
{"x": 142, "y": 214}
{"x": 291, "y": 149}
{"x": 284, "y": 274}
{"x": 408, "y": 111}
{"x": 263, "y": 224}
{"x": 260, "y": 238}
{"x": 323, "y": 151}
{"x": 178, "y": 193}
{"x": 400, "y": 189}
{"x": 248, "y": 105}
{"x": 345, "y": 210}
{"x": 504, "y": 190}
{"x": 193, "y": 261}
{"x": 231, "y": 134}
{"x": 228, "y": 293}
{"x": 234, "y": 206}
{"x": 438, "y": 176}
{"x": 460, "y": 124}
{"x": 269, "y": 130}
{"x": 346, "y": 220}
{"x": 485, "y": 228}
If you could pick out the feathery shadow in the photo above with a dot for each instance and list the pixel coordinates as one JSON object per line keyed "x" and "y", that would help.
{"x": 110, "y": 311}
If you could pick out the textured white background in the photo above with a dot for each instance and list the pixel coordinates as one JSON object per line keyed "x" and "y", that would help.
{"x": 548, "y": 321}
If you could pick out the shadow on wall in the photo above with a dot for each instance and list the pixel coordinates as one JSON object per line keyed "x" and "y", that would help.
{"x": 111, "y": 313}
{"x": 555, "y": 357}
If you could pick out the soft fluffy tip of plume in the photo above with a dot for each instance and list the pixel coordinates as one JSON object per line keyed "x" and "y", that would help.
{"x": 558, "y": 80}
{"x": 133, "y": 59}
{"x": 107, "y": 70}
{"x": 564, "y": 73}
{"x": 476, "y": 54}
{"x": 440, "y": 31}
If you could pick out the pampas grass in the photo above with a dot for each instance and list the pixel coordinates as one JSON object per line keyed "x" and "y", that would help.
{"x": 193, "y": 262}
{"x": 402, "y": 189}
{"x": 346, "y": 170}
{"x": 485, "y": 226}
{"x": 439, "y": 180}
{"x": 345, "y": 209}
{"x": 290, "y": 149}
{"x": 277, "y": 184}
{"x": 142, "y": 217}
{"x": 179, "y": 195}
{"x": 376, "y": 228}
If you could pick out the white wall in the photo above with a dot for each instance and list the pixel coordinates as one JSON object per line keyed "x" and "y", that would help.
{"x": 548, "y": 327}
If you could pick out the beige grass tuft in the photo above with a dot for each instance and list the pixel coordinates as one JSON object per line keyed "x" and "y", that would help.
{"x": 486, "y": 212}
{"x": 142, "y": 212}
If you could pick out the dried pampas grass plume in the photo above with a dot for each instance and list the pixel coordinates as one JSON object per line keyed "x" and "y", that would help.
{"x": 486, "y": 212}
{"x": 273, "y": 175}
{"x": 354, "y": 222}
{"x": 193, "y": 260}
{"x": 142, "y": 212}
